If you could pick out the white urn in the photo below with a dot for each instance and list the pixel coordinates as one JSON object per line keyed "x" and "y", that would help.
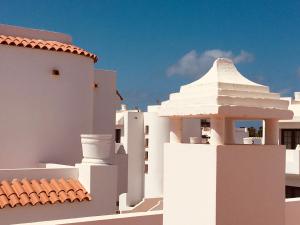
{"x": 96, "y": 148}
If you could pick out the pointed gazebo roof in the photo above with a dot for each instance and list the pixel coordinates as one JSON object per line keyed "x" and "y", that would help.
{"x": 223, "y": 91}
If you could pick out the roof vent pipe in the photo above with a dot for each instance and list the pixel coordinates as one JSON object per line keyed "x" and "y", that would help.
{"x": 297, "y": 95}
{"x": 123, "y": 107}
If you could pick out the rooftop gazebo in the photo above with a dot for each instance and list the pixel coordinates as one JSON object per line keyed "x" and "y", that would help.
{"x": 224, "y": 95}
{"x": 223, "y": 183}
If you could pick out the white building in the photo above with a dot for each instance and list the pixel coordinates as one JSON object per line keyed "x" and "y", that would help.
{"x": 49, "y": 97}
{"x": 142, "y": 136}
{"x": 58, "y": 160}
{"x": 224, "y": 183}
{"x": 51, "y": 93}
{"x": 290, "y": 129}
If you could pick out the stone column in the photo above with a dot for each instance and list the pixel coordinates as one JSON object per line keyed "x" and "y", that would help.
{"x": 175, "y": 130}
{"x": 217, "y": 134}
{"x": 271, "y": 132}
{"x": 229, "y": 131}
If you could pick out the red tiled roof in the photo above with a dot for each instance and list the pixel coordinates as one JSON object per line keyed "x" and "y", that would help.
{"x": 31, "y": 192}
{"x": 46, "y": 45}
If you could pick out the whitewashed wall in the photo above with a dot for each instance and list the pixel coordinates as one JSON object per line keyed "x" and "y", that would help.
{"x": 144, "y": 218}
{"x": 190, "y": 128}
{"x": 103, "y": 194}
{"x": 105, "y": 102}
{"x": 134, "y": 131}
{"x": 121, "y": 160}
{"x": 159, "y": 133}
{"x": 206, "y": 184}
{"x": 42, "y": 116}
{"x": 240, "y": 134}
{"x": 292, "y": 209}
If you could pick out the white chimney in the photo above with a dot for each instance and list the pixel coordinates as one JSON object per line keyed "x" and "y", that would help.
{"x": 123, "y": 107}
{"x": 297, "y": 95}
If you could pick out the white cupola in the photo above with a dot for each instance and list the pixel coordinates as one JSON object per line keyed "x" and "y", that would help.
{"x": 224, "y": 95}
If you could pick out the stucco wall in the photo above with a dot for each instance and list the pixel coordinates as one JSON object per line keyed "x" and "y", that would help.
{"x": 190, "y": 128}
{"x": 121, "y": 160}
{"x": 42, "y": 116}
{"x": 100, "y": 182}
{"x": 105, "y": 102}
{"x": 292, "y": 209}
{"x": 224, "y": 185}
{"x": 144, "y": 218}
{"x": 159, "y": 133}
{"x": 149, "y": 218}
{"x": 251, "y": 185}
{"x": 134, "y": 131}
{"x": 189, "y": 184}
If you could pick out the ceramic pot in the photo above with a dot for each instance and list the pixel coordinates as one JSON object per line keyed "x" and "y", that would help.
{"x": 96, "y": 148}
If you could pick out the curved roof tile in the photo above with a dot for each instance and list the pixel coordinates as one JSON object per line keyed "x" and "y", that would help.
{"x": 31, "y": 192}
{"x": 45, "y": 45}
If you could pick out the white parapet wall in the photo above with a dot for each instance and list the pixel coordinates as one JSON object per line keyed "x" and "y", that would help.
{"x": 222, "y": 185}
{"x": 100, "y": 182}
{"x": 144, "y": 218}
{"x": 38, "y": 173}
{"x": 292, "y": 209}
{"x": 158, "y": 134}
{"x": 134, "y": 146}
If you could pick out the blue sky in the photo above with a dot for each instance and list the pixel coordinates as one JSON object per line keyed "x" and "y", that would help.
{"x": 156, "y": 46}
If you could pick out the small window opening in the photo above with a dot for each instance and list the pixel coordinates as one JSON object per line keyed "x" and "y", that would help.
{"x": 118, "y": 136}
{"x": 146, "y": 143}
{"x": 146, "y": 168}
{"x": 205, "y": 123}
{"x": 146, "y": 129}
{"x": 55, "y": 72}
{"x": 96, "y": 85}
{"x": 146, "y": 156}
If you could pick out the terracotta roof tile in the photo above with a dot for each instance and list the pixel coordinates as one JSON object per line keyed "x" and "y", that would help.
{"x": 46, "y": 45}
{"x": 26, "y": 192}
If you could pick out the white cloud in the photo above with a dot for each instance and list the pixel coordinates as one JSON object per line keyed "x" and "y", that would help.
{"x": 195, "y": 64}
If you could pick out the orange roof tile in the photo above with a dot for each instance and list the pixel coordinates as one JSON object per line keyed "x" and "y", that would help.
{"x": 42, "y": 191}
{"x": 45, "y": 45}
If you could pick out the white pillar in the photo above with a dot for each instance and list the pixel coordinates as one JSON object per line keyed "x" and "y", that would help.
{"x": 175, "y": 130}
{"x": 271, "y": 132}
{"x": 217, "y": 126}
{"x": 229, "y": 131}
